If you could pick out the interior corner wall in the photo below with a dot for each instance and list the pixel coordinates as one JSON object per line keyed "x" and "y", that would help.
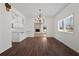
{"x": 5, "y": 34}
{"x": 69, "y": 39}
{"x": 29, "y": 27}
{"x": 49, "y": 23}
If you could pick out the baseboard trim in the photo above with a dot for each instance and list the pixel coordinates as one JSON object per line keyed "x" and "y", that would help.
{"x": 66, "y": 45}
{"x": 6, "y": 50}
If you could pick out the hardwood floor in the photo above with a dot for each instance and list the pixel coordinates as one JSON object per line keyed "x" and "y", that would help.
{"x": 39, "y": 47}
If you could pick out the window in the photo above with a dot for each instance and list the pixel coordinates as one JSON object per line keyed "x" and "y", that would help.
{"x": 66, "y": 24}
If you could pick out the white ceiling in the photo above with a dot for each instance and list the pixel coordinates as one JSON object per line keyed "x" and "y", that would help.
{"x": 31, "y": 9}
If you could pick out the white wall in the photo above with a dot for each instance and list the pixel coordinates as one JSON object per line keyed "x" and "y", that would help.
{"x": 29, "y": 27}
{"x": 70, "y": 39}
{"x": 5, "y": 34}
{"x": 49, "y": 22}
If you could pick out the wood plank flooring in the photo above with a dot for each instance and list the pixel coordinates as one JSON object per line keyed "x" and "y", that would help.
{"x": 38, "y": 46}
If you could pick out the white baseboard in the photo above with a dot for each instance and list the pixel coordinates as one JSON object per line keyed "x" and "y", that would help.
{"x": 6, "y": 49}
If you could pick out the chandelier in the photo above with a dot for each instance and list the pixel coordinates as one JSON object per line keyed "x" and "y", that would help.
{"x": 39, "y": 18}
